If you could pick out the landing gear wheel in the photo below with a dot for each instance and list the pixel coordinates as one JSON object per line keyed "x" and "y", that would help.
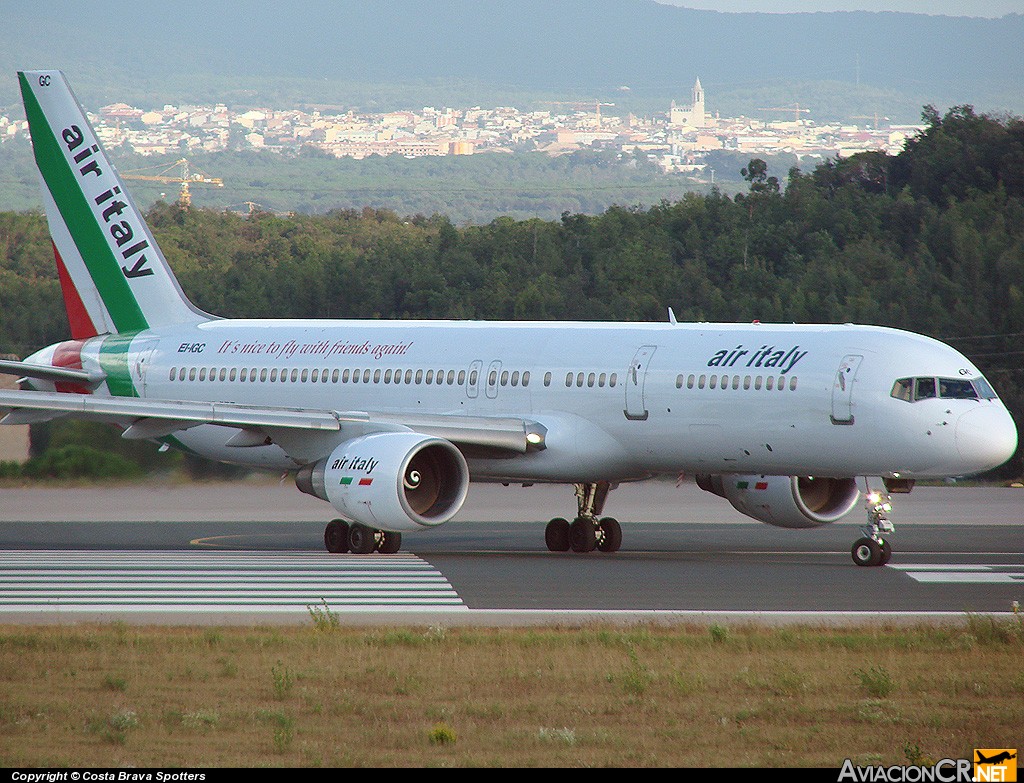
{"x": 582, "y": 535}
{"x": 361, "y": 539}
{"x": 610, "y": 535}
{"x": 886, "y": 552}
{"x": 556, "y": 535}
{"x": 336, "y": 536}
{"x": 389, "y": 542}
{"x": 866, "y": 552}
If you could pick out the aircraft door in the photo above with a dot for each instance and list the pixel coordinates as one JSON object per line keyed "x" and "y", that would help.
{"x": 473, "y": 379}
{"x": 493, "y": 371}
{"x": 143, "y": 350}
{"x": 842, "y": 389}
{"x": 636, "y": 408}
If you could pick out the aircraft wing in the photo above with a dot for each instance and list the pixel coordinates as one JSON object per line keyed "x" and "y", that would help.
{"x": 149, "y": 418}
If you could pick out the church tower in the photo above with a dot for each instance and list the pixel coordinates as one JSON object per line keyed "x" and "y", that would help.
{"x": 697, "y": 116}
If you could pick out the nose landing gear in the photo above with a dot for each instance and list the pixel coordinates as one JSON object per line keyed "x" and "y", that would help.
{"x": 873, "y": 549}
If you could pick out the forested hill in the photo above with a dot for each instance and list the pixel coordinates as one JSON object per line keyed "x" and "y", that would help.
{"x": 354, "y": 52}
{"x": 931, "y": 240}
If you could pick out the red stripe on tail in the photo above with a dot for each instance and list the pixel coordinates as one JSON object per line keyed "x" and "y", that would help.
{"x": 81, "y": 324}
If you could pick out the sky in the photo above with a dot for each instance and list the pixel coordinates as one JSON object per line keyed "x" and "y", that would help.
{"x": 986, "y": 8}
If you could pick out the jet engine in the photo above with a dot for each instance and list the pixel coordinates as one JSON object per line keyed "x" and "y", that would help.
{"x": 786, "y": 501}
{"x": 396, "y": 481}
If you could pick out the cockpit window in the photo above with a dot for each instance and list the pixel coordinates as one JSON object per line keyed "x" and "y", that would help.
{"x": 985, "y": 391}
{"x": 924, "y": 388}
{"x": 915, "y": 389}
{"x": 903, "y": 389}
{"x": 956, "y": 389}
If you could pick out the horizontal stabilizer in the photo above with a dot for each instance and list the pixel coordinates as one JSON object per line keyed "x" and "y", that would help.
{"x": 90, "y": 378}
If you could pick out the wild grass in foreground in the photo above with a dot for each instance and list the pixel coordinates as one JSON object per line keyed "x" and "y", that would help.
{"x": 327, "y": 695}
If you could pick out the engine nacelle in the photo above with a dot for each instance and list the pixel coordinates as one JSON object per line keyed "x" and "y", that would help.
{"x": 786, "y": 501}
{"x": 397, "y": 481}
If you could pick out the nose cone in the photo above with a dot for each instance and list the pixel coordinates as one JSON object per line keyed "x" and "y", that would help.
{"x": 985, "y": 437}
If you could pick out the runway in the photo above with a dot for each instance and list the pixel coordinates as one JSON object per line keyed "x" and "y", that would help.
{"x": 195, "y": 570}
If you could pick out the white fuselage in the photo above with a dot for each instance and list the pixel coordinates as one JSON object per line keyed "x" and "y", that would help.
{"x": 618, "y": 401}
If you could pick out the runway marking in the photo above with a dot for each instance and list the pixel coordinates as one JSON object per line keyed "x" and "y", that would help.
{"x": 963, "y": 573}
{"x": 62, "y": 581}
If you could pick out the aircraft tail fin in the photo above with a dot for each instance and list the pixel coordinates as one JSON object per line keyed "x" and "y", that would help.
{"x": 112, "y": 273}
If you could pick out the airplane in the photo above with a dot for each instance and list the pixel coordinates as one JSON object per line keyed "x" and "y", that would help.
{"x": 389, "y": 420}
{"x": 996, "y": 759}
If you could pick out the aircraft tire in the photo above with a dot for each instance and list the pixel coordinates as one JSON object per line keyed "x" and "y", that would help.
{"x": 556, "y": 535}
{"x": 582, "y": 536}
{"x": 389, "y": 542}
{"x": 362, "y": 540}
{"x": 611, "y": 535}
{"x": 866, "y": 552}
{"x": 336, "y": 536}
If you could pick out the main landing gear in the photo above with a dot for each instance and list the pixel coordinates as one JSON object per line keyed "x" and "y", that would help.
{"x": 341, "y": 537}
{"x": 588, "y": 531}
{"x": 873, "y": 549}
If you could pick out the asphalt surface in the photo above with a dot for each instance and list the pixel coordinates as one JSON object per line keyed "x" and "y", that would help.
{"x": 253, "y": 552}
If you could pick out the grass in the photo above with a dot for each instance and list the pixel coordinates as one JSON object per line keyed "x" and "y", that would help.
{"x": 116, "y": 695}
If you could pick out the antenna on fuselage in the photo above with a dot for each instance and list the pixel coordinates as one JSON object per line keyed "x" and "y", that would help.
{"x": 672, "y": 317}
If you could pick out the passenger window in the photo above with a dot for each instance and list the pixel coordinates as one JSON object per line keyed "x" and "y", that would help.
{"x": 526, "y": 378}
{"x": 387, "y": 376}
{"x": 735, "y": 382}
{"x": 689, "y": 382}
{"x": 462, "y": 377}
{"x": 579, "y": 380}
{"x": 244, "y": 374}
{"x": 273, "y": 375}
{"x": 613, "y": 380}
{"x": 515, "y": 378}
{"x": 174, "y": 373}
{"x": 263, "y": 375}
{"x": 757, "y": 383}
{"x": 601, "y": 379}
{"x": 419, "y": 376}
{"x": 202, "y": 373}
{"x": 924, "y": 388}
{"x": 192, "y": 374}
{"x": 366, "y": 376}
{"x": 472, "y": 378}
{"x": 746, "y": 382}
{"x": 492, "y": 378}
{"x": 679, "y": 381}
{"x": 725, "y": 381}
{"x": 334, "y": 376}
{"x": 408, "y": 376}
{"x": 451, "y": 377}
{"x": 305, "y": 375}
{"x": 344, "y": 376}
{"x": 568, "y": 379}
{"x": 316, "y": 376}
{"x": 700, "y": 381}
{"x": 547, "y": 379}
{"x": 769, "y": 384}
{"x": 376, "y": 376}
{"x": 295, "y": 376}
{"x": 713, "y": 382}
{"x": 781, "y": 385}
{"x": 591, "y": 379}
{"x": 792, "y": 383}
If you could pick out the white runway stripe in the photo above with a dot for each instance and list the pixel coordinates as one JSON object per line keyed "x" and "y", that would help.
{"x": 48, "y": 581}
{"x": 948, "y": 573}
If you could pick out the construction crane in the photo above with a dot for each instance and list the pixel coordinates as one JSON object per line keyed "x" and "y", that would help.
{"x": 582, "y": 105}
{"x": 876, "y": 117}
{"x": 795, "y": 108}
{"x": 184, "y": 179}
